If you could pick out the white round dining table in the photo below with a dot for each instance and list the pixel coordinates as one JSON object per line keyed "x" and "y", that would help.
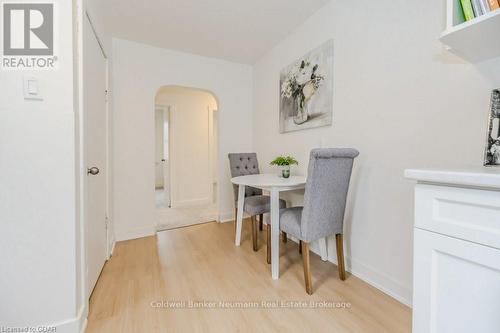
{"x": 274, "y": 184}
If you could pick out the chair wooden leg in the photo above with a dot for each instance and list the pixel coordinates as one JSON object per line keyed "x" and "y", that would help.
{"x": 261, "y": 222}
{"x": 284, "y": 237}
{"x": 300, "y": 246}
{"x": 254, "y": 233}
{"x": 268, "y": 243}
{"x": 340, "y": 255}
{"x": 307, "y": 267}
{"x": 235, "y": 220}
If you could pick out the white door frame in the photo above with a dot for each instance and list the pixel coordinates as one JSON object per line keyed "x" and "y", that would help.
{"x": 171, "y": 155}
{"x": 169, "y": 109}
{"x": 216, "y": 145}
{"x": 165, "y": 109}
{"x": 213, "y": 141}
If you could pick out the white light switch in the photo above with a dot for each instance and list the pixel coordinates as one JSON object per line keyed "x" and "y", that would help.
{"x": 31, "y": 89}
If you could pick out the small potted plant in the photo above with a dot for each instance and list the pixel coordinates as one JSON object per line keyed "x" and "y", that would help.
{"x": 284, "y": 162}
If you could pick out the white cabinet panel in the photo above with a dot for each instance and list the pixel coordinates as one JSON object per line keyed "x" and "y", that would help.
{"x": 456, "y": 285}
{"x": 465, "y": 213}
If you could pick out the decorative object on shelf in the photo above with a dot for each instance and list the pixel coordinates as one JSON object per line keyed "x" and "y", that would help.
{"x": 476, "y": 8}
{"x": 492, "y": 151}
{"x": 467, "y": 9}
{"x": 284, "y": 162}
{"x": 494, "y": 4}
{"x": 306, "y": 91}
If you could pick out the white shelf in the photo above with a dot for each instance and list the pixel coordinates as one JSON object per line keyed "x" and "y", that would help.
{"x": 475, "y": 40}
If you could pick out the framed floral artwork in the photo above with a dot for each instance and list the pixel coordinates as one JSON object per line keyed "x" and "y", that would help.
{"x": 306, "y": 91}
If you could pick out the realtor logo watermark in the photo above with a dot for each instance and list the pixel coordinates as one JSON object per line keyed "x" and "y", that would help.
{"x": 28, "y": 36}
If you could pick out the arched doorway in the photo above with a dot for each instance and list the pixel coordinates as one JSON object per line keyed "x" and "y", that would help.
{"x": 186, "y": 127}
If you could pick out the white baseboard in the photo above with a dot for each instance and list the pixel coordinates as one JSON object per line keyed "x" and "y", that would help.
{"x": 83, "y": 315}
{"x": 121, "y": 235}
{"x": 226, "y": 217}
{"x": 180, "y": 224}
{"x": 373, "y": 277}
{"x": 73, "y": 325}
{"x": 111, "y": 245}
{"x": 84, "y": 326}
{"x": 112, "y": 248}
{"x": 229, "y": 217}
{"x": 380, "y": 281}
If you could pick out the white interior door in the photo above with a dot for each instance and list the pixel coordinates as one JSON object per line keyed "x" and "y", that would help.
{"x": 94, "y": 108}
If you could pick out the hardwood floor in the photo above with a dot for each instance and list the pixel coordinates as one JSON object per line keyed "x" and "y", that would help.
{"x": 201, "y": 263}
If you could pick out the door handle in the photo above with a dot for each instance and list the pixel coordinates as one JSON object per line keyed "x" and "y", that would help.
{"x": 163, "y": 160}
{"x": 92, "y": 171}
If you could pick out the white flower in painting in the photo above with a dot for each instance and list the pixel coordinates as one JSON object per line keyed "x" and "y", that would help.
{"x": 303, "y": 80}
{"x": 286, "y": 88}
{"x": 304, "y": 74}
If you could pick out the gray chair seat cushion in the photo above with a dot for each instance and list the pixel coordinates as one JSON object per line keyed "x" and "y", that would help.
{"x": 259, "y": 204}
{"x": 290, "y": 219}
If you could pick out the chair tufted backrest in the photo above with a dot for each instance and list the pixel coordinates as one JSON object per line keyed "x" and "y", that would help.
{"x": 242, "y": 164}
{"x": 325, "y": 196}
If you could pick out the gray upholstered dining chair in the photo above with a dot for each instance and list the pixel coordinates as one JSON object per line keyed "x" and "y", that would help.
{"x": 325, "y": 198}
{"x": 242, "y": 164}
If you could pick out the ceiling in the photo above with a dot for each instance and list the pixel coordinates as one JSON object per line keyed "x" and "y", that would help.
{"x": 236, "y": 30}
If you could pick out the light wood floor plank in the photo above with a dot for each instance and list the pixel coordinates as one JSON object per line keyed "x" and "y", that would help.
{"x": 201, "y": 263}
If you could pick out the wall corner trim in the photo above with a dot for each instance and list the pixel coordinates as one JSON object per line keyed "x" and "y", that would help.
{"x": 77, "y": 324}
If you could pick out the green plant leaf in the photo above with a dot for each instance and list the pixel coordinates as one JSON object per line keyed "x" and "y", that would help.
{"x": 284, "y": 160}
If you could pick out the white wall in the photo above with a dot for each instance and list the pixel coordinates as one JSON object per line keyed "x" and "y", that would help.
{"x": 42, "y": 249}
{"x": 399, "y": 98}
{"x": 37, "y": 194}
{"x": 191, "y": 133}
{"x": 138, "y": 72}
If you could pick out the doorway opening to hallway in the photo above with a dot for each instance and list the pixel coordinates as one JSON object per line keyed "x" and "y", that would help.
{"x": 186, "y": 132}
